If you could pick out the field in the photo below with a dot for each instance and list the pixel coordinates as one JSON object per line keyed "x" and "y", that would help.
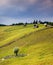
{"x": 35, "y": 43}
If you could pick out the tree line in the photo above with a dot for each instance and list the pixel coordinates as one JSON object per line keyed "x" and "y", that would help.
{"x": 2, "y": 25}
{"x": 34, "y": 22}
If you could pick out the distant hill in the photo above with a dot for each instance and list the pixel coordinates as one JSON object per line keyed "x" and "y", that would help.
{"x": 2, "y": 25}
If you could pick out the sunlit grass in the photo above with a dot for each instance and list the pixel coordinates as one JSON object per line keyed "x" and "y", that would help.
{"x": 38, "y": 47}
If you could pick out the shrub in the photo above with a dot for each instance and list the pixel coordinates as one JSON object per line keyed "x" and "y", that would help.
{"x": 36, "y": 26}
{"x": 16, "y": 50}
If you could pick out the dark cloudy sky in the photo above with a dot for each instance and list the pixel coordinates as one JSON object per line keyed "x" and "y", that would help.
{"x": 12, "y": 11}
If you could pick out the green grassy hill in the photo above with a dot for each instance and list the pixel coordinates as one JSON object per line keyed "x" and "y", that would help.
{"x": 36, "y": 44}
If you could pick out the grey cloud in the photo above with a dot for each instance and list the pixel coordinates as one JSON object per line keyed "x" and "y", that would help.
{"x": 19, "y": 4}
{"x": 25, "y": 4}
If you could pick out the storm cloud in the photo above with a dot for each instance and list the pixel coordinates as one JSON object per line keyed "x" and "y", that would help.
{"x": 26, "y": 8}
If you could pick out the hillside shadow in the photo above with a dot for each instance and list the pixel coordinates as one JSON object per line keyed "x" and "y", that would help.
{"x": 13, "y": 56}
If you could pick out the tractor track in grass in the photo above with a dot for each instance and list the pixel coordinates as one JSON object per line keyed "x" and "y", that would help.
{"x": 25, "y": 36}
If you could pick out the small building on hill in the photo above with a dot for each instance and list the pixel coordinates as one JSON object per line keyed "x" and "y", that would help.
{"x": 45, "y": 24}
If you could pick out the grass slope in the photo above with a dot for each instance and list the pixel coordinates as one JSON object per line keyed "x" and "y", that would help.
{"x": 10, "y": 33}
{"x": 38, "y": 47}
